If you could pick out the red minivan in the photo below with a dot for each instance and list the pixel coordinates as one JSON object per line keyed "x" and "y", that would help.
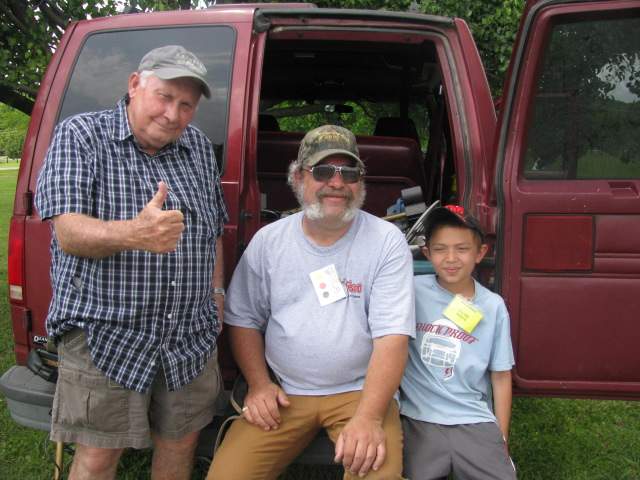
{"x": 554, "y": 178}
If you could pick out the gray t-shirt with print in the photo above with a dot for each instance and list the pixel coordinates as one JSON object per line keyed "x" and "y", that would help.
{"x": 447, "y": 378}
{"x": 314, "y": 349}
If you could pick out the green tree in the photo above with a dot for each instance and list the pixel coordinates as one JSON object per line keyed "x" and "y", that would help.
{"x": 30, "y": 31}
{"x": 494, "y": 25}
{"x": 13, "y": 127}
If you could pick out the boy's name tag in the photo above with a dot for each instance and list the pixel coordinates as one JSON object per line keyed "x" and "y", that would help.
{"x": 463, "y": 313}
{"x": 327, "y": 285}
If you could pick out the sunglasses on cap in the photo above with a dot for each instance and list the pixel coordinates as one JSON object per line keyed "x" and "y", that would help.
{"x": 325, "y": 172}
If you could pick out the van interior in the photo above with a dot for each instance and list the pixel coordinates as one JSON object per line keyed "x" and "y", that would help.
{"x": 387, "y": 90}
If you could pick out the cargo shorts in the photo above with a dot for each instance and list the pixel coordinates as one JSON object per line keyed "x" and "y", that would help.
{"x": 93, "y": 410}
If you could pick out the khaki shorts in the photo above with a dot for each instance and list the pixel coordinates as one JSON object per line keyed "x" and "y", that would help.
{"x": 91, "y": 409}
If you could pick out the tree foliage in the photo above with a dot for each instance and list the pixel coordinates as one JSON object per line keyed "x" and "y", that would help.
{"x": 30, "y": 31}
{"x": 494, "y": 24}
{"x": 13, "y": 126}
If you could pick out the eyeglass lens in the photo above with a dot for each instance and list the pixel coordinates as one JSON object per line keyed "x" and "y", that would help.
{"x": 323, "y": 173}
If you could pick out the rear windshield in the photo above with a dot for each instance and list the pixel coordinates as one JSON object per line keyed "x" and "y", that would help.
{"x": 107, "y": 59}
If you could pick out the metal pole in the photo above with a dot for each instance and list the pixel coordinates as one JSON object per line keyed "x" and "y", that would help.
{"x": 57, "y": 473}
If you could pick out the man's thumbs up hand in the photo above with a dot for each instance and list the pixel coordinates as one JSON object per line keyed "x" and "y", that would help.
{"x": 159, "y": 230}
{"x": 161, "y": 195}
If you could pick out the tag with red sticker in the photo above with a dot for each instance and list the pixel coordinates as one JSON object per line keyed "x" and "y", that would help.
{"x": 327, "y": 285}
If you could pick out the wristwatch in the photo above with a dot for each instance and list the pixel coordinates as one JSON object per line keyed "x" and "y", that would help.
{"x": 219, "y": 291}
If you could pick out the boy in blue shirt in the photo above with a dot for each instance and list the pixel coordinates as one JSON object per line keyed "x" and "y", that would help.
{"x": 456, "y": 390}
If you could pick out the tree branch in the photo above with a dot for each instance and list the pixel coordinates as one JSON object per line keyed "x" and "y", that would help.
{"x": 25, "y": 91}
{"x": 56, "y": 9}
{"x": 10, "y": 97}
{"x": 11, "y": 13}
{"x": 51, "y": 15}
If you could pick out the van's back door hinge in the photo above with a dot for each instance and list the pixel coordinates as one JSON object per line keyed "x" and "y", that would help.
{"x": 27, "y": 202}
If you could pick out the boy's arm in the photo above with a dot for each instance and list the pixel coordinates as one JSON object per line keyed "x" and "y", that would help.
{"x": 501, "y": 385}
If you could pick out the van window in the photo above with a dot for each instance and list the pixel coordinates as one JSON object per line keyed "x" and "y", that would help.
{"x": 361, "y": 117}
{"x": 102, "y": 70}
{"x": 586, "y": 111}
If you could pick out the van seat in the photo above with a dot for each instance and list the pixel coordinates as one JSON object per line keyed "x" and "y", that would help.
{"x": 268, "y": 123}
{"x": 276, "y": 150}
{"x": 392, "y": 164}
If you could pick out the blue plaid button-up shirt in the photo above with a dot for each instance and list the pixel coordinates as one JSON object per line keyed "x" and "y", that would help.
{"x": 140, "y": 310}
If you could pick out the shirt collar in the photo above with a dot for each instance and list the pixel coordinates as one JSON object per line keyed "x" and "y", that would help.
{"x": 121, "y": 129}
{"x": 477, "y": 289}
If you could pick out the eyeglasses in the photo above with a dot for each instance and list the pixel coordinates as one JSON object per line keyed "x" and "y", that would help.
{"x": 324, "y": 173}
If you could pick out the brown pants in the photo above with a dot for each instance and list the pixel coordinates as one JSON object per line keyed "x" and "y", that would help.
{"x": 250, "y": 453}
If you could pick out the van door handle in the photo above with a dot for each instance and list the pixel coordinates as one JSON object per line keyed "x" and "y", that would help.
{"x": 624, "y": 189}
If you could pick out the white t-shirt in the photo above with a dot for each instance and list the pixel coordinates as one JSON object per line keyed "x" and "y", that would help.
{"x": 314, "y": 349}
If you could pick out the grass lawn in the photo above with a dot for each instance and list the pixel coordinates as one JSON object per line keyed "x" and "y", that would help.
{"x": 7, "y": 163}
{"x": 550, "y": 438}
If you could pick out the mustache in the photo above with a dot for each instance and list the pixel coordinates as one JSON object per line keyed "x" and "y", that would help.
{"x": 334, "y": 193}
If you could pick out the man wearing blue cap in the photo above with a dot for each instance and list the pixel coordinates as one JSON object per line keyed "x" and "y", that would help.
{"x": 137, "y": 211}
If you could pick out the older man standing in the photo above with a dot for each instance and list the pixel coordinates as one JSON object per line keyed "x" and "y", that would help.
{"x": 137, "y": 210}
{"x": 325, "y": 299}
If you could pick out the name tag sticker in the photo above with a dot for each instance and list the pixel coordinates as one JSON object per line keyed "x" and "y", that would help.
{"x": 327, "y": 285}
{"x": 463, "y": 313}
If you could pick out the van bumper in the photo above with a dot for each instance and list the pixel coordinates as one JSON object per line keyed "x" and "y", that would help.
{"x": 29, "y": 397}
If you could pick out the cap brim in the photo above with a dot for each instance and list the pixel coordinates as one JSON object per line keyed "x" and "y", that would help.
{"x": 442, "y": 214}
{"x": 172, "y": 73}
{"x": 319, "y": 156}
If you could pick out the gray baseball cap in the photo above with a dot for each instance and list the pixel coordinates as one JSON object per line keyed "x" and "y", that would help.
{"x": 326, "y": 141}
{"x": 174, "y": 61}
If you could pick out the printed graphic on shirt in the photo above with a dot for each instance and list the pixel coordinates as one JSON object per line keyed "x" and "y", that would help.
{"x": 441, "y": 345}
{"x": 352, "y": 288}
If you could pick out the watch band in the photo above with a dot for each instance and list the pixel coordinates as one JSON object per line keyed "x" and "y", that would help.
{"x": 219, "y": 291}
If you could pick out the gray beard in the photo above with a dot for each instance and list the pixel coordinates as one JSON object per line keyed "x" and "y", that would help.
{"x": 314, "y": 211}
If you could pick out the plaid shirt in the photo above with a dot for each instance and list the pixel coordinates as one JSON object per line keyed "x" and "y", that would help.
{"x": 140, "y": 310}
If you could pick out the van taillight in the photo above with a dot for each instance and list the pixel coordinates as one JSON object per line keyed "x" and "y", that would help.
{"x": 16, "y": 260}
